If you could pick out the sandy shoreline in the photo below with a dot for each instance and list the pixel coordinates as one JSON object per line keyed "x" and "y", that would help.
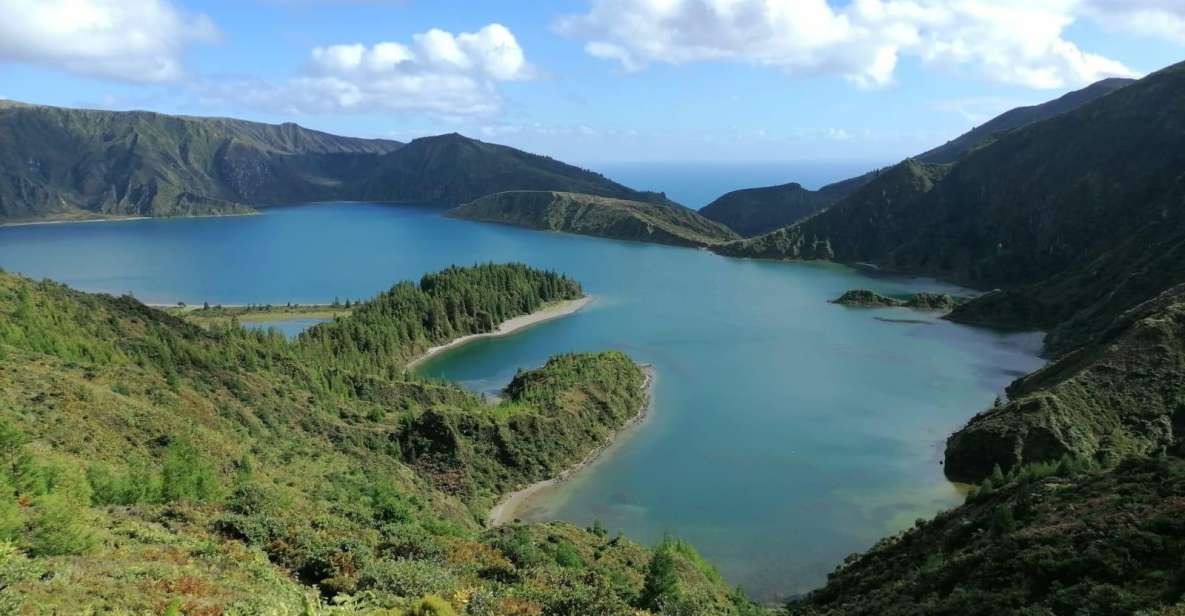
{"x": 509, "y": 326}
{"x": 508, "y": 506}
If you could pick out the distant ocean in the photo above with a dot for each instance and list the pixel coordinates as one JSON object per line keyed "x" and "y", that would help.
{"x": 698, "y": 184}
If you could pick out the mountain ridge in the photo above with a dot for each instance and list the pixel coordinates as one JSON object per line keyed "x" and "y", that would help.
{"x": 1074, "y": 243}
{"x": 753, "y": 211}
{"x": 59, "y": 164}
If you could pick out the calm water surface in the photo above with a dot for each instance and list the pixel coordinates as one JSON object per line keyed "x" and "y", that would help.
{"x": 786, "y": 432}
{"x": 289, "y": 327}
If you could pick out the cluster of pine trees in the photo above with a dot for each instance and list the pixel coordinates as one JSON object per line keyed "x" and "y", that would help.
{"x": 383, "y": 333}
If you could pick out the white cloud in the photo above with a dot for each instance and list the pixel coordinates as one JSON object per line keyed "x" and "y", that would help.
{"x": 1160, "y": 18}
{"x": 129, "y": 40}
{"x": 437, "y": 72}
{"x": 1009, "y": 41}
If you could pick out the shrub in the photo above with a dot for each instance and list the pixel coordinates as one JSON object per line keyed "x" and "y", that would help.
{"x": 431, "y": 606}
{"x": 566, "y": 556}
{"x": 186, "y": 475}
{"x": 15, "y": 567}
{"x": 516, "y": 544}
{"x": 407, "y": 578}
{"x": 409, "y": 541}
{"x": 662, "y": 582}
{"x": 135, "y": 485}
{"x": 57, "y": 527}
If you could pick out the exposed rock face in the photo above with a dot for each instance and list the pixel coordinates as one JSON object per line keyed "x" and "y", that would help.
{"x": 1123, "y": 395}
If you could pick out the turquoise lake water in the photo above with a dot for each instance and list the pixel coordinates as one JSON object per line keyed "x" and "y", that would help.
{"x": 289, "y": 327}
{"x": 786, "y": 432}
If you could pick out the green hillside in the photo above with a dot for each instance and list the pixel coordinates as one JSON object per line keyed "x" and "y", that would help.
{"x": 754, "y": 211}
{"x": 71, "y": 163}
{"x": 453, "y": 169}
{"x": 1057, "y": 539}
{"x": 1079, "y": 244}
{"x": 600, "y": 216}
{"x": 151, "y": 464}
{"x": 61, "y": 164}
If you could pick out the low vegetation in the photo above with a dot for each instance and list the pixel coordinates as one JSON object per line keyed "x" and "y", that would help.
{"x": 149, "y": 465}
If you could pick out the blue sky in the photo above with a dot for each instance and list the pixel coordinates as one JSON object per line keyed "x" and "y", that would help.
{"x": 591, "y": 81}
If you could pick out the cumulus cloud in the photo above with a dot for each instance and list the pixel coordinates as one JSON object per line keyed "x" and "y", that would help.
{"x": 1161, "y": 18}
{"x": 128, "y": 40}
{"x": 439, "y": 72}
{"x": 1010, "y": 41}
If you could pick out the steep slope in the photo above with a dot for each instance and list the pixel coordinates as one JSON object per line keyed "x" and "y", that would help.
{"x": 1059, "y": 539}
{"x": 754, "y": 211}
{"x": 872, "y": 221}
{"x": 950, "y": 151}
{"x": 1079, "y": 242}
{"x": 71, "y": 163}
{"x": 1118, "y": 397}
{"x": 1019, "y": 210}
{"x": 600, "y": 216}
{"x": 151, "y": 463}
{"x": 454, "y": 169}
{"x": 74, "y": 163}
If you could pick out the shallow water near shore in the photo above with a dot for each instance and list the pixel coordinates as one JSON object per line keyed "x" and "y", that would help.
{"x": 785, "y": 432}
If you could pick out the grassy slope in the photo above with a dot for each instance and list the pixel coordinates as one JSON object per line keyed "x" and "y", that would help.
{"x": 600, "y": 216}
{"x": 755, "y": 211}
{"x": 228, "y": 471}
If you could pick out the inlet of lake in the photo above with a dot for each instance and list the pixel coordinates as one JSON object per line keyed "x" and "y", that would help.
{"x": 786, "y": 432}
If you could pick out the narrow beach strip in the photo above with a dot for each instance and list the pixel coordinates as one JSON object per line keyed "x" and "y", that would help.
{"x": 507, "y": 508}
{"x": 509, "y": 326}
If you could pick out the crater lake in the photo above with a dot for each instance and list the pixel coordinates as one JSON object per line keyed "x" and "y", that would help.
{"x": 785, "y": 432}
